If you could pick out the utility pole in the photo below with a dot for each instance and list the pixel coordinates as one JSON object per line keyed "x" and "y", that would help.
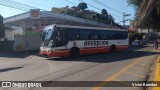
{"x": 111, "y": 18}
{"x": 124, "y": 20}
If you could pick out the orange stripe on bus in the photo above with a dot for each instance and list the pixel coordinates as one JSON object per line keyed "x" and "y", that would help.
{"x": 83, "y": 51}
{"x": 120, "y": 48}
{"x": 94, "y": 50}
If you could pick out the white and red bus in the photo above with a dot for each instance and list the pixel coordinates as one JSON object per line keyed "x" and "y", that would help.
{"x": 67, "y": 40}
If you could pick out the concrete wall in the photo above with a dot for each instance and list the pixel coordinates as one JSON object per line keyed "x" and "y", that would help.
{"x": 33, "y": 44}
{"x": 9, "y": 33}
{"x": 22, "y": 43}
{"x": 19, "y": 43}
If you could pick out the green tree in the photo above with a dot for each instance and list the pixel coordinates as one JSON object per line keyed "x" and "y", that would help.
{"x": 135, "y": 3}
{"x": 2, "y": 28}
{"x": 82, "y": 6}
{"x": 151, "y": 20}
{"x": 104, "y": 12}
{"x": 80, "y": 12}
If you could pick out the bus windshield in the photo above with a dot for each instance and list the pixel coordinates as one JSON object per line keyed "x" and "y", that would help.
{"x": 48, "y": 36}
{"x": 48, "y": 33}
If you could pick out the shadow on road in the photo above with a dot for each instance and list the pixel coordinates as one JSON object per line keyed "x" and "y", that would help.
{"x": 132, "y": 48}
{"x": 110, "y": 57}
{"x": 9, "y": 69}
{"x": 19, "y": 54}
{"x": 130, "y": 53}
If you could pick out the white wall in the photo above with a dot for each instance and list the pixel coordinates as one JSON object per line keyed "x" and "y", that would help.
{"x": 144, "y": 30}
{"x": 9, "y": 33}
{"x": 29, "y": 42}
{"x": 19, "y": 43}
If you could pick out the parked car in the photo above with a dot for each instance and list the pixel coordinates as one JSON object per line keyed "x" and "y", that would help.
{"x": 137, "y": 43}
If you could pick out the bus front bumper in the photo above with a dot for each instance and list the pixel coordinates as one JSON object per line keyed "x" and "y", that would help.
{"x": 63, "y": 53}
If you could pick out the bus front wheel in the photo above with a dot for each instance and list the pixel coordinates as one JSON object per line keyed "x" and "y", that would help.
{"x": 74, "y": 52}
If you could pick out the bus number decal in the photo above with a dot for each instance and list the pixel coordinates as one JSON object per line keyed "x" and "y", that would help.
{"x": 95, "y": 43}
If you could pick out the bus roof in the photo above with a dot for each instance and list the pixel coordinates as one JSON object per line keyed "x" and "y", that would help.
{"x": 85, "y": 27}
{"x": 49, "y": 27}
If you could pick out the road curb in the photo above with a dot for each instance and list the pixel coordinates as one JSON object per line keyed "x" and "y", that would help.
{"x": 157, "y": 73}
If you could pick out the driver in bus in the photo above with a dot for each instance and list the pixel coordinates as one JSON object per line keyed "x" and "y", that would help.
{"x": 59, "y": 38}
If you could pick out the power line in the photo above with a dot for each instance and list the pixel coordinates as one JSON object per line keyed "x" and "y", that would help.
{"x": 100, "y": 3}
{"x": 46, "y": 5}
{"x": 71, "y": 2}
{"x": 124, "y": 15}
{"x": 19, "y": 6}
{"x": 99, "y": 9}
{"x": 13, "y": 7}
{"x": 26, "y": 7}
{"x": 85, "y": 2}
{"x": 16, "y": 5}
{"x": 117, "y": 16}
{"x": 37, "y": 3}
{"x": 90, "y": 5}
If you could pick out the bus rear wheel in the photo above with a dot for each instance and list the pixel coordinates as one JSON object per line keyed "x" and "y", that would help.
{"x": 112, "y": 48}
{"x": 74, "y": 52}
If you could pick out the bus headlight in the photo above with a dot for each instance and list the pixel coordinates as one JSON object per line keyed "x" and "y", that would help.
{"x": 50, "y": 51}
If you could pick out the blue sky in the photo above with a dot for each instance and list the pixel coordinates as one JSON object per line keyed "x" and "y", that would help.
{"x": 120, "y": 5}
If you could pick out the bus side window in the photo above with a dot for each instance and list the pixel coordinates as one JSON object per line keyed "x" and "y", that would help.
{"x": 74, "y": 34}
{"x": 117, "y": 35}
{"x": 109, "y": 35}
{"x": 62, "y": 37}
{"x": 84, "y": 34}
{"x": 125, "y": 34}
{"x": 113, "y": 35}
{"x": 121, "y": 35}
{"x": 94, "y": 34}
{"x": 103, "y": 35}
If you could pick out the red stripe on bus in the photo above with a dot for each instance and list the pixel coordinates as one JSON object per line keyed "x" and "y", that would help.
{"x": 100, "y": 49}
{"x": 94, "y": 50}
{"x": 120, "y": 48}
{"x": 83, "y": 51}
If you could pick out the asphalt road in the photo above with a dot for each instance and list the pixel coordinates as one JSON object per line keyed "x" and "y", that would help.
{"x": 130, "y": 65}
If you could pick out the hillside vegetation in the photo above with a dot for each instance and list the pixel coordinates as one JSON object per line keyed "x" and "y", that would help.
{"x": 81, "y": 11}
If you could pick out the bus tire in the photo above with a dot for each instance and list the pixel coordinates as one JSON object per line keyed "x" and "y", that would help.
{"x": 112, "y": 48}
{"x": 74, "y": 52}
